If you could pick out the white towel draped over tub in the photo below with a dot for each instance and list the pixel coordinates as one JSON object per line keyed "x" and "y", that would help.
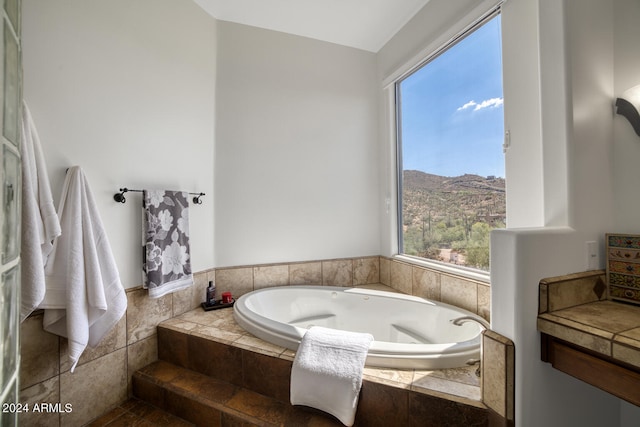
{"x": 40, "y": 223}
{"x": 327, "y": 371}
{"x": 85, "y": 298}
{"x": 166, "y": 266}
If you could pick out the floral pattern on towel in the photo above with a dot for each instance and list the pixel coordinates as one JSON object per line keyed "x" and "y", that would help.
{"x": 166, "y": 237}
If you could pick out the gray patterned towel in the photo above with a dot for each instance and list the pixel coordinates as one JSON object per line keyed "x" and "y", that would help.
{"x": 166, "y": 263}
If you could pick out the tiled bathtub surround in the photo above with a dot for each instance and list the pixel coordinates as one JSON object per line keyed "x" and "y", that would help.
{"x": 471, "y": 295}
{"x": 45, "y": 375}
{"x": 462, "y": 292}
{"x": 338, "y": 272}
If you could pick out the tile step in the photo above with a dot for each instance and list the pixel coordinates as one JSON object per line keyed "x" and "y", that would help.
{"x": 207, "y": 401}
{"x": 249, "y": 379}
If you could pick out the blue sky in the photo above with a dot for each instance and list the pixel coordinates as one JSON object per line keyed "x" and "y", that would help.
{"x": 452, "y": 109}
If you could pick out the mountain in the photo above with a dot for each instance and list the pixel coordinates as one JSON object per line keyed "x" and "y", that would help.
{"x": 417, "y": 180}
{"x": 449, "y": 198}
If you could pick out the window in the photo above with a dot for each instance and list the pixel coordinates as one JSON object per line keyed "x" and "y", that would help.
{"x": 451, "y": 174}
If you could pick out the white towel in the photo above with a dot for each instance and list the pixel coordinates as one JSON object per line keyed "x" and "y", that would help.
{"x": 40, "y": 223}
{"x": 327, "y": 371}
{"x": 85, "y": 298}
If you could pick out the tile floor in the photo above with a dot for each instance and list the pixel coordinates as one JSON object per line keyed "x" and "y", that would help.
{"x": 134, "y": 412}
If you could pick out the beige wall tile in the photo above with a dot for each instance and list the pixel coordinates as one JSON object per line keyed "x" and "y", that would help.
{"x": 40, "y": 352}
{"x": 459, "y": 292}
{"x": 45, "y": 391}
{"x": 238, "y": 281}
{"x": 366, "y": 270}
{"x": 498, "y": 374}
{"x": 630, "y": 337}
{"x": 572, "y": 293}
{"x": 423, "y": 380}
{"x": 141, "y": 354}
{"x": 144, "y": 314}
{"x": 626, "y": 354}
{"x": 94, "y": 388}
{"x": 337, "y": 272}
{"x": 190, "y": 298}
{"x": 484, "y": 301}
{"x": 401, "y": 277}
{"x": 385, "y": 271}
{"x": 181, "y": 300}
{"x": 593, "y": 342}
{"x": 270, "y": 275}
{"x": 543, "y": 299}
{"x": 426, "y": 283}
{"x": 306, "y": 273}
{"x": 575, "y": 289}
{"x": 114, "y": 340}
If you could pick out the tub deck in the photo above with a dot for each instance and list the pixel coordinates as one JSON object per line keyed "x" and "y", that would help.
{"x": 457, "y": 384}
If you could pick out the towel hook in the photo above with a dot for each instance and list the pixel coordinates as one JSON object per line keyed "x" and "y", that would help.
{"x": 119, "y": 197}
{"x": 197, "y": 200}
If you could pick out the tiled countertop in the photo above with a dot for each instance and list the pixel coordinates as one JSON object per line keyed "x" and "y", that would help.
{"x": 573, "y": 308}
{"x": 606, "y": 327}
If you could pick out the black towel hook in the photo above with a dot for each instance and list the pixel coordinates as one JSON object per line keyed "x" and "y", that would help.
{"x": 119, "y": 197}
{"x": 197, "y": 200}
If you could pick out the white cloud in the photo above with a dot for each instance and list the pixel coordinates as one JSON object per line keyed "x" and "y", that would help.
{"x": 467, "y": 105}
{"x": 493, "y": 102}
{"x": 489, "y": 103}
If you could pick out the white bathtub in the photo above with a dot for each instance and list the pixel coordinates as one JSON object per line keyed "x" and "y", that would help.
{"x": 409, "y": 332}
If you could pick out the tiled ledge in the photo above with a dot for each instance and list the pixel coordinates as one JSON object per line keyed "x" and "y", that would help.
{"x": 588, "y": 337}
{"x": 605, "y": 327}
{"x": 573, "y": 309}
{"x": 457, "y": 385}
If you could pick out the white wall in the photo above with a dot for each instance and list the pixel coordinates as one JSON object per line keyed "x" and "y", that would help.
{"x": 296, "y": 171}
{"x": 126, "y": 91}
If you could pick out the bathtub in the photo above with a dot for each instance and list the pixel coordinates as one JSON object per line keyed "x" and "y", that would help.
{"x": 409, "y": 332}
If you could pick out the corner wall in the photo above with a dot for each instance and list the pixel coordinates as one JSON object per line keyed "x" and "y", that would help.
{"x": 296, "y": 149}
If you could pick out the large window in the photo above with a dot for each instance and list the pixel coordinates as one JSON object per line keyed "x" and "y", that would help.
{"x": 450, "y": 156}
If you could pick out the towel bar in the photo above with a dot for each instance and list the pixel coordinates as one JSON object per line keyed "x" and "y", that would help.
{"x": 119, "y": 197}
